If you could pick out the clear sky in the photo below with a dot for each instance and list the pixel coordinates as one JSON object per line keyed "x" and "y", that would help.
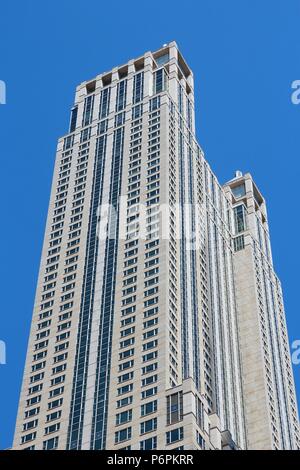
{"x": 244, "y": 55}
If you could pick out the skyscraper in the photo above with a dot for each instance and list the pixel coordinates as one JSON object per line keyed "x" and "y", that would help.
{"x": 158, "y": 319}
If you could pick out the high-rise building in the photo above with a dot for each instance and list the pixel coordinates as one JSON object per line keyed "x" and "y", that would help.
{"x": 158, "y": 320}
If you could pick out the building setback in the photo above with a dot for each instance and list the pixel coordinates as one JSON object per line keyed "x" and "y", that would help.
{"x": 158, "y": 319}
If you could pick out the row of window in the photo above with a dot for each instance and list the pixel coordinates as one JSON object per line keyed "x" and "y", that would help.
{"x": 130, "y": 279}
{"x": 121, "y": 99}
{"x": 60, "y": 356}
{"x": 151, "y": 443}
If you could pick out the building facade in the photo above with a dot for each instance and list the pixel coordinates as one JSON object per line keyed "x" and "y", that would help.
{"x": 158, "y": 320}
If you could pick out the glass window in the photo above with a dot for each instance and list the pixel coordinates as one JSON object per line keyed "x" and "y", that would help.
{"x": 88, "y": 110}
{"x": 163, "y": 59}
{"x": 104, "y": 103}
{"x": 240, "y": 219}
{"x": 73, "y": 119}
{"x": 154, "y": 103}
{"x": 159, "y": 81}
{"x": 125, "y": 401}
{"x": 149, "y": 444}
{"x": 121, "y": 95}
{"x": 119, "y": 119}
{"x": 102, "y": 127}
{"x": 50, "y": 444}
{"x": 174, "y": 435}
{"x": 123, "y": 417}
{"x": 239, "y": 191}
{"x": 239, "y": 243}
{"x": 138, "y": 87}
{"x": 149, "y": 425}
{"x": 85, "y": 134}
{"x": 174, "y": 408}
{"x": 137, "y": 111}
{"x": 149, "y": 392}
{"x": 122, "y": 435}
{"x": 148, "y": 408}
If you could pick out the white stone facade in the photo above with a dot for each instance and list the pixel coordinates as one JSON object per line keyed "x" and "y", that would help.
{"x": 149, "y": 315}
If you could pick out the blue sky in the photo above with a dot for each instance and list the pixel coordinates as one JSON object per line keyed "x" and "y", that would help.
{"x": 244, "y": 55}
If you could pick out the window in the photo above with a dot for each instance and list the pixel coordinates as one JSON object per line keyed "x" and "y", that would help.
{"x": 150, "y": 356}
{"x": 55, "y": 404}
{"x": 32, "y": 412}
{"x": 30, "y": 425}
{"x": 127, "y": 321}
{"x": 125, "y": 401}
{"x": 150, "y": 345}
{"x": 125, "y": 354}
{"x": 174, "y": 408}
{"x": 125, "y": 389}
{"x": 240, "y": 218}
{"x": 159, "y": 81}
{"x": 149, "y": 444}
{"x": 68, "y": 142}
{"x": 150, "y": 312}
{"x": 162, "y": 59}
{"x": 149, "y": 380}
{"x": 149, "y": 393}
{"x": 138, "y": 84}
{"x": 34, "y": 400}
{"x": 53, "y": 416}
{"x": 121, "y": 95}
{"x": 104, "y": 103}
{"x": 28, "y": 437}
{"x": 123, "y": 417}
{"x": 73, "y": 119}
{"x": 180, "y": 98}
{"x": 148, "y": 408}
{"x": 239, "y": 243}
{"x": 200, "y": 440}
{"x": 50, "y": 444}
{"x": 150, "y": 333}
{"x": 199, "y": 413}
{"x": 126, "y": 343}
{"x": 52, "y": 428}
{"x": 154, "y": 103}
{"x": 88, "y": 110}
{"x": 239, "y": 191}
{"x": 174, "y": 435}
{"x": 122, "y": 435}
{"x": 149, "y": 368}
{"x": 102, "y": 127}
{"x": 120, "y": 119}
{"x": 137, "y": 111}
{"x": 126, "y": 365}
{"x": 125, "y": 377}
{"x": 149, "y": 425}
{"x": 85, "y": 134}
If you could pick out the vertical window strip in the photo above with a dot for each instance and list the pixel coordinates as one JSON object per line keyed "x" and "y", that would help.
{"x": 121, "y": 95}
{"x": 159, "y": 81}
{"x": 88, "y": 110}
{"x": 86, "y": 309}
{"x": 138, "y": 88}
{"x": 100, "y": 416}
{"x": 104, "y": 103}
{"x": 73, "y": 120}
